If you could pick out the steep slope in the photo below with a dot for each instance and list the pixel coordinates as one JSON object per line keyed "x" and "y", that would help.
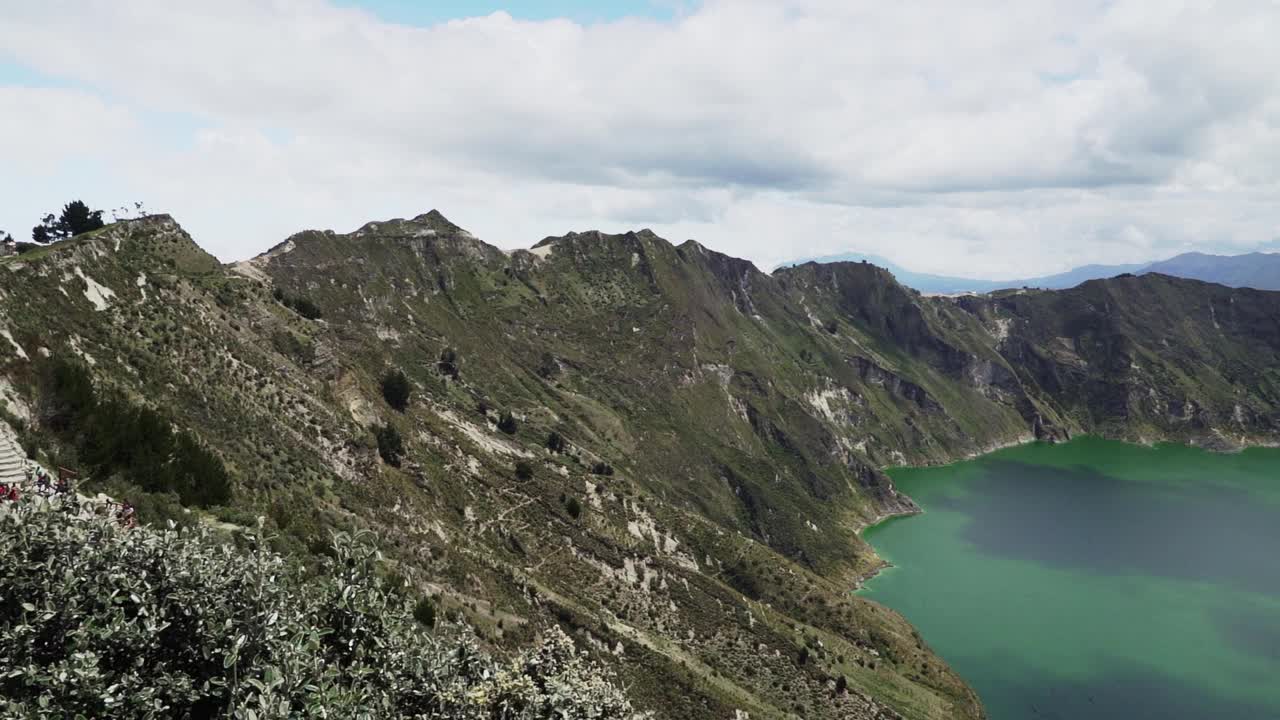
{"x": 1148, "y": 357}
{"x": 724, "y": 429}
{"x": 693, "y": 569}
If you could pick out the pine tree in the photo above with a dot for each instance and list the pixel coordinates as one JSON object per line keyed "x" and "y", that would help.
{"x": 77, "y": 218}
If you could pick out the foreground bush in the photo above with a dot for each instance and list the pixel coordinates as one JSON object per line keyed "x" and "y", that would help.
{"x": 98, "y": 621}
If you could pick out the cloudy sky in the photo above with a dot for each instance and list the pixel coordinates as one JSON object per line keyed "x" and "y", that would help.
{"x": 986, "y": 138}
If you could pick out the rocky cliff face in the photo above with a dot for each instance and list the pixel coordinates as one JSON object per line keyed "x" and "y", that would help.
{"x": 725, "y": 429}
{"x": 1147, "y": 358}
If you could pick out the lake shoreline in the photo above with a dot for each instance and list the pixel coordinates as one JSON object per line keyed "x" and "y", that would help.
{"x": 1070, "y": 579}
{"x": 1216, "y": 444}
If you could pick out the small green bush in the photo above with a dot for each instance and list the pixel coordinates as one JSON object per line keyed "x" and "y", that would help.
{"x": 507, "y": 423}
{"x": 524, "y": 469}
{"x": 602, "y": 468}
{"x": 449, "y": 362}
{"x": 396, "y": 389}
{"x": 555, "y": 442}
{"x": 288, "y": 344}
{"x": 548, "y": 367}
{"x": 425, "y": 612}
{"x": 573, "y": 507}
{"x": 300, "y": 304}
{"x": 390, "y": 444}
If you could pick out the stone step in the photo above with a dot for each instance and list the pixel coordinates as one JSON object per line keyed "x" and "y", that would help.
{"x": 13, "y": 460}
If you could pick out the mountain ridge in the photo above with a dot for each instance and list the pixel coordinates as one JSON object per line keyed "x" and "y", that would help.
{"x": 724, "y": 429}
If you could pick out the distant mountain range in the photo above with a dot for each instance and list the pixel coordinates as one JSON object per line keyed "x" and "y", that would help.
{"x": 1255, "y": 270}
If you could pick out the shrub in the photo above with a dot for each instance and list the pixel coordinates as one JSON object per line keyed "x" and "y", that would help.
{"x": 390, "y": 444}
{"x": 289, "y": 345}
{"x": 306, "y": 308}
{"x": 425, "y": 612}
{"x": 548, "y": 367}
{"x": 449, "y": 362}
{"x": 300, "y": 304}
{"x": 98, "y": 621}
{"x": 396, "y": 389}
{"x": 573, "y": 507}
{"x": 555, "y": 442}
{"x": 524, "y": 469}
{"x": 602, "y": 468}
{"x": 507, "y": 423}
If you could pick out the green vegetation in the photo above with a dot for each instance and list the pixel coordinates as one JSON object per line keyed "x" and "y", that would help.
{"x": 507, "y": 423}
{"x": 98, "y": 621}
{"x": 396, "y": 389}
{"x": 113, "y": 435}
{"x": 448, "y": 363}
{"x": 390, "y": 444}
{"x": 300, "y": 304}
{"x": 548, "y": 367}
{"x": 75, "y": 219}
{"x": 555, "y": 442}
{"x": 425, "y": 612}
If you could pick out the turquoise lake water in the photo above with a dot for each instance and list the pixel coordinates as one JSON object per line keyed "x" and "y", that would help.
{"x": 1096, "y": 579}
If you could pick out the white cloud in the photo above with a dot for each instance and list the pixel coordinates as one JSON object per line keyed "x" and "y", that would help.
{"x": 988, "y": 138}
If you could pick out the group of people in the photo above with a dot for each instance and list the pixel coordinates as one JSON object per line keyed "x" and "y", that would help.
{"x": 46, "y": 485}
{"x": 126, "y": 515}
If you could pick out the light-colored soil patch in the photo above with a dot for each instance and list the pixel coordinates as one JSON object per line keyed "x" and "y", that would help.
{"x": 98, "y": 294}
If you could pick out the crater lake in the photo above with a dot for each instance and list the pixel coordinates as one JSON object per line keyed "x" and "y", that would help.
{"x": 1096, "y": 579}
